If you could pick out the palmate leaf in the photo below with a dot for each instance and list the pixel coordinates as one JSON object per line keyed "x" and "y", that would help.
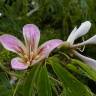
{"x": 72, "y": 87}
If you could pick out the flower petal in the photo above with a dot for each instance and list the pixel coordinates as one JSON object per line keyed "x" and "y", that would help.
{"x": 91, "y": 62}
{"x": 47, "y": 47}
{"x": 31, "y": 35}
{"x": 17, "y": 64}
{"x": 71, "y": 36}
{"x": 82, "y": 30}
{"x": 91, "y": 40}
{"x": 11, "y": 43}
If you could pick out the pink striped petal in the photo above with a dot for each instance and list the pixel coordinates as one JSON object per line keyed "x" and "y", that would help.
{"x": 11, "y": 43}
{"x": 91, "y": 62}
{"x": 31, "y": 35}
{"x": 47, "y": 47}
{"x": 17, "y": 64}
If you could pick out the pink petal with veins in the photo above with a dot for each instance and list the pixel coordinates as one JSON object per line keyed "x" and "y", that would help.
{"x": 46, "y": 48}
{"x": 31, "y": 35}
{"x": 17, "y": 64}
{"x": 11, "y": 43}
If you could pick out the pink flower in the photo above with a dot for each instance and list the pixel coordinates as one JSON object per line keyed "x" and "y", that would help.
{"x": 29, "y": 53}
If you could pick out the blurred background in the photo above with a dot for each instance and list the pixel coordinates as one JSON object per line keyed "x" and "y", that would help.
{"x": 55, "y": 18}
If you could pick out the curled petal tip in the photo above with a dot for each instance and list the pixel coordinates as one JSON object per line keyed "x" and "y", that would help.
{"x": 91, "y": 62}
{"x": 87, "y": 23}
{"x": 82, "y": 30}
{"x": 16, "y": 63}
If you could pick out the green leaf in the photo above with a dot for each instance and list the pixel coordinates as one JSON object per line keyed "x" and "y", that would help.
{"x": 30, "y": 81}
{"x": 72, "y": 87}
{"x": 5, "y": 87}
{"x": 73, "y": 68}
{"x": 86, "y": 69}
{"x": 44, "y": 86}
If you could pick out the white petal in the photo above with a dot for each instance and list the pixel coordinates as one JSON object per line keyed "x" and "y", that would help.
{"x": 91, "y": 62}
{"x": 0, "y": 14}
{"x": 71, "y": 36}
{"x": 82, "y": 30}
{"x": 91, "y": 40}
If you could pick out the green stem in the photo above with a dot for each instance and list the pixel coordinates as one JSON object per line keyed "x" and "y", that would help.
{"x": 60, "y": 83}
{"x": 17, "y": 85}
{"x": 64, "y": 55}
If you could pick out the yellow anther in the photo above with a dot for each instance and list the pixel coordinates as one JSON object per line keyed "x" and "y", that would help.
{"x": 28, "y": 62}
{"x": 25, "y": 56}
{"x": 32, "y": 54}
{"x": 37, "y": 57}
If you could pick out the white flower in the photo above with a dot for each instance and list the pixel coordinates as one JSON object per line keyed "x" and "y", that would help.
{"x": 0, "y": 14}
{"x": 76, "y": 33}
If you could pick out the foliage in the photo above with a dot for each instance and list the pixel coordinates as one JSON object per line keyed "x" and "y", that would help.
{"x": 56, "y": 19}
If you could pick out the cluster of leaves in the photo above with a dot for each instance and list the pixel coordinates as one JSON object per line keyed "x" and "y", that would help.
{"x": 56, "y": 19}
{"x": 52, "y": 78}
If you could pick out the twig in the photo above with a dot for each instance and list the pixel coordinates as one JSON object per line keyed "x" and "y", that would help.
{"x": 60, "y": 83}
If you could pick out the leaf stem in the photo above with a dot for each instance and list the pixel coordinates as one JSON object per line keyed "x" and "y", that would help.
{"x": 60, "y": 83}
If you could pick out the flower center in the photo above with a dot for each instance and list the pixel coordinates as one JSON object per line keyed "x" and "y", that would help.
{"x": 28, "y": 58}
